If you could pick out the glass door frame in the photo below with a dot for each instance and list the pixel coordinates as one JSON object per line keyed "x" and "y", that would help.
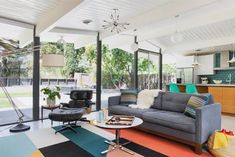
{"x": 159, "y": 54}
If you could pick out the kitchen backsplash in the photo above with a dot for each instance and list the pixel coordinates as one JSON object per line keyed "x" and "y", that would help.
{"x": 220, "y": 75}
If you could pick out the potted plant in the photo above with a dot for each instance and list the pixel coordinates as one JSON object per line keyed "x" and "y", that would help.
{"x": 51, "y": 94}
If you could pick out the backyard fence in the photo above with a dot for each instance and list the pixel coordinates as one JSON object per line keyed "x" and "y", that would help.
{"x": 29, "y": 81}
{"x": 151, "y": 81}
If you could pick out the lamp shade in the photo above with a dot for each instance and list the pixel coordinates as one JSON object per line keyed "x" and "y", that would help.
{"x": 52, "y": 60}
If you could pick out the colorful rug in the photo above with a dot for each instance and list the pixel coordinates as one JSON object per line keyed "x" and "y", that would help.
{"x": 159, "y": 144}
{"x": 88, "y": 142}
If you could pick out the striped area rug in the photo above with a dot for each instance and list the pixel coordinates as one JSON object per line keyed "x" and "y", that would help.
{"x": 88, "y": 142}
{"x": 159, "y": 144}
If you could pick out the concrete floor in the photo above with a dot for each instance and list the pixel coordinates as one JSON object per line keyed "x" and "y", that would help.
{"x": 228, "y": 122}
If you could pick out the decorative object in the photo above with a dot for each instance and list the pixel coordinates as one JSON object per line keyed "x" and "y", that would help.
{"x": 204, "y": 80}
{"x": 20, "y": 126}
{"x": 51, "y": 94}
{"x": 176, "y": 37}
{"x": 217, "y": 81}
{"x": 52, "y": 60}
{"x": 114, "y": 22}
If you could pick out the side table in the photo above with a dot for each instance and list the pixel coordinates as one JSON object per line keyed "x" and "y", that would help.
{"x": 48, "y": 108}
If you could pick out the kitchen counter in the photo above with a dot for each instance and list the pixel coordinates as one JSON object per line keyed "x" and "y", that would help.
{"x": 222, "y": 93}
{"x": 208, "y": 85}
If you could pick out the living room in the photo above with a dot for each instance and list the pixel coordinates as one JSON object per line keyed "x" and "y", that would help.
{"x": 117, "y": 78}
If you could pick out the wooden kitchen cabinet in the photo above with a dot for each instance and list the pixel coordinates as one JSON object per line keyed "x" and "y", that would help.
{"x": 217, "y": 93}
{"x": 225, "y": 96}
{"x": 228, "y": 100}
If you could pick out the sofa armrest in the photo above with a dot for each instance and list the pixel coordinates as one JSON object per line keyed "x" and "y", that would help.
{"x": 208, "y": 120}
{"x": 113, "y": 100}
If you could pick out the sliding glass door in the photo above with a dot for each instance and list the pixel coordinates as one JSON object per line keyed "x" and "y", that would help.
{"x": 16, "y": 80}
{"x": 148, "y": 70}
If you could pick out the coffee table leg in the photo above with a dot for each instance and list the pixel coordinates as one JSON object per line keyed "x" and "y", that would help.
{"x": 117, "y": 144}
{"x": 127, "y": 150}
{"x": 109, "y": 142}
{"x": 108, "y": 150}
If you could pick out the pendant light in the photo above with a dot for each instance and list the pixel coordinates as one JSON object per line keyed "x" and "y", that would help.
{"x": 233, "y": 58}
{"x": 54, "y": 60}
{"x": 176, "y": 37}
{"x": 195, "y": 61}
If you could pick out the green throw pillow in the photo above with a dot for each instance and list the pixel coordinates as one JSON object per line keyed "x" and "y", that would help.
{"x": 128, "y": 97}
{"x": 193, "y": 103}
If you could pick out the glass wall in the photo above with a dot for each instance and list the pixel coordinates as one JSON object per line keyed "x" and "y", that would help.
{"x": 148, "y": 70}
{"x": 117, "y": 72}
{"x": 16, "y": 77}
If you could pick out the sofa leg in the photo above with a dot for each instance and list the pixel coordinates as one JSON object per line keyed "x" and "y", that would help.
{"x": 198, "y": 149}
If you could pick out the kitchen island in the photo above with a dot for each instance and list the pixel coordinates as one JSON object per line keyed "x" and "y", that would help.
{"x": 222, "y": 93}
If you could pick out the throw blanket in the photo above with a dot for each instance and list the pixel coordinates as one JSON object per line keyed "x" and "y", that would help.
{"x": 145, "y": 98}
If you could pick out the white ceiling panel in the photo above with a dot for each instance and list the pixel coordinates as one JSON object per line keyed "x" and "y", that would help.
{"x": 10, "y": 31}
{"x": 28, "y": 11}
{"x": 99, "y": 10}
{"x": 206, "y": 32}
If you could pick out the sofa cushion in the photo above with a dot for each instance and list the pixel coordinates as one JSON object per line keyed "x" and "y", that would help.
{"x": 174, "y": 101}
{"x": 157, "y": 101}
{"x": 125, "y": 110}
{"x": 169, "y": 119}
{"x": 193, "y": 103}
{"x": 128, "y": 97}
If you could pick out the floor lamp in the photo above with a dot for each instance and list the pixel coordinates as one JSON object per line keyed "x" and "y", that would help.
{"x": 20, "y": 126}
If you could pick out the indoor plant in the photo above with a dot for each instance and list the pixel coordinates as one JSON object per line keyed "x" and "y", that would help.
{"x": 51, "y": 94}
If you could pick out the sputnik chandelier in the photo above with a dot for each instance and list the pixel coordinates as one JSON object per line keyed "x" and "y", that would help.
{"x": 114, "y": 24}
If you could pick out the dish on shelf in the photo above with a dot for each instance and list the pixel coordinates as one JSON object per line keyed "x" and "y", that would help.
{"x": 217, "y": 81}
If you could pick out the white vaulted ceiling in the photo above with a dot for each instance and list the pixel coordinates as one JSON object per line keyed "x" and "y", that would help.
{"x": 202, "y": 33}
{"x": 203, "y": 23}
{"x": 29, "y": 11}
{"x": 100, "y": 10}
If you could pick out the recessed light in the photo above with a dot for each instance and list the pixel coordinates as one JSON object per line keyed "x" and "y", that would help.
{"x": 86, "y": 21}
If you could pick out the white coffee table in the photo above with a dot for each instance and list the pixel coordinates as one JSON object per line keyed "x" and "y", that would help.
{"x": 137, "y": 121}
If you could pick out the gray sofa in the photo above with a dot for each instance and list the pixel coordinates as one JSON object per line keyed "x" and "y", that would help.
{"x": 166, "y": 118}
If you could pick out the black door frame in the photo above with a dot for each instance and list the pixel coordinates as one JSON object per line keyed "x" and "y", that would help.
{"x": 136, "y": 65}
